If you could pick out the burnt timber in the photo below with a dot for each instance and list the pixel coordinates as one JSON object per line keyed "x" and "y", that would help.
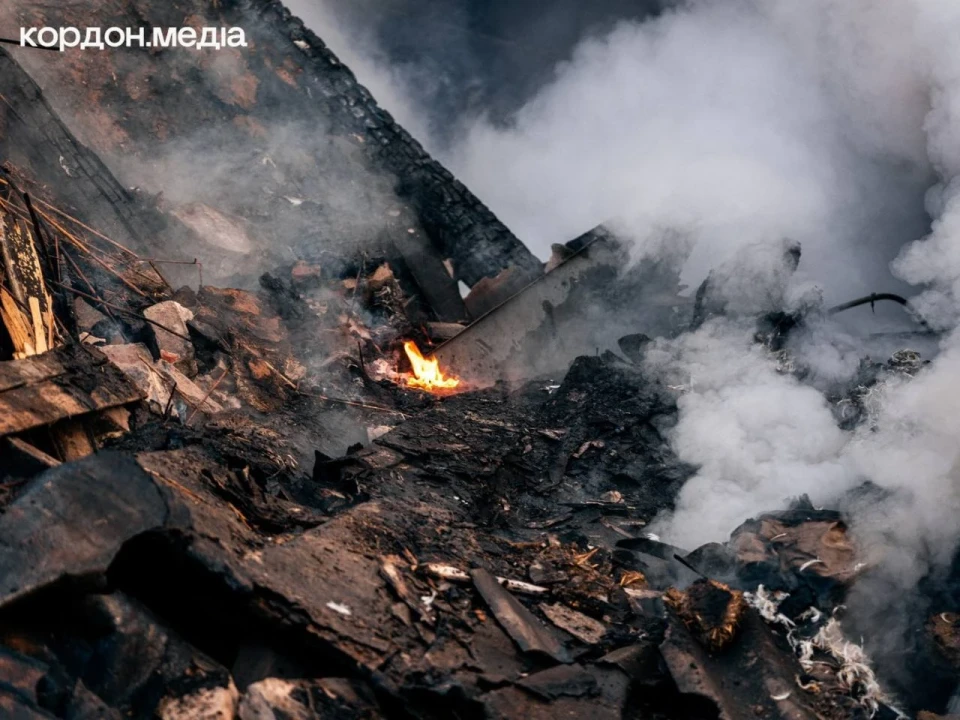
{"x": 286, "y": 67}
{"x": 211, "y": 506}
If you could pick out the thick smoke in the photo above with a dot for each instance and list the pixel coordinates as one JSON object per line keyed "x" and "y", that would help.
{"x": 290, "y": 191}
{"x": 719, "y": 128}
{"x": 757, "y": 435}
{"x": 736, "y": 125}
{"x": 714, "y": 122}
{"x": 716, "y": 132}
{"x": 833, "y": 123}
{"x": 936, "y": 260}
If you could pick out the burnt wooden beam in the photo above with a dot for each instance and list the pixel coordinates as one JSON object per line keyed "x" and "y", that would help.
{"x": 527, "y": 631}
{"x": 431, "y": 278}
{"x": 24, "y": 459}
{"x": 60, "y": 385}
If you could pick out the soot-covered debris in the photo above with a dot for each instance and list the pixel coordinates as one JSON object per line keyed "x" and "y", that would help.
{"x": 485, "y": 557}
{"x": 233, "y": 503}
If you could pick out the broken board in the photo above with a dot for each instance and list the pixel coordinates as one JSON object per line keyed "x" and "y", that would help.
{"x": 481, "y": 354}
{"x": 45, "y": 389}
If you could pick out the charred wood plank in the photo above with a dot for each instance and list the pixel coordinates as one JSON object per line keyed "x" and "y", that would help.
{"x": 480, "y": 353}
{"x": 527, "y": 632}
{"x": 73, "y": 520}
{"x": 26, "y": 310}
{"x": 573, "y": 692}
{"x": 27, "y": 460}
{"x": 431, "y": 278}
{"x": 31, "y": 371}
{"x": 73, "y": 439}
{"x": 584, "y": 628}
{"x": 21, "y": 262}
{"x": 34, "y": 406}
{"x": 18, "y": 326}
{"x": 41, "y": 391}
{"x": 561, "y": 681}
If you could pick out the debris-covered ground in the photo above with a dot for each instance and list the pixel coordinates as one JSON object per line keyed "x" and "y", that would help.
{"x": 264, "y": 503}
{"x": 183, "y": 534}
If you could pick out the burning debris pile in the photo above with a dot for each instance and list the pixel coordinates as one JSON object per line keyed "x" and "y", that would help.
{"x": 183, "y": 535}
{"x": 348, "y": 492}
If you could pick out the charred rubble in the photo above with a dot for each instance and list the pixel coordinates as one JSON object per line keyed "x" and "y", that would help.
{"x": 228, "y": 501}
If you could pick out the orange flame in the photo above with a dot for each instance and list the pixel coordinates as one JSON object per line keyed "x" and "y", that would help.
{"x": 426, "y": 372}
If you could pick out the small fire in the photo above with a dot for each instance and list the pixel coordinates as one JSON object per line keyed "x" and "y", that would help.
{"x": 426, "y": 372}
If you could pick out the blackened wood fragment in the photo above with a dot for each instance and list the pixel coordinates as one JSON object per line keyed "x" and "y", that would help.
{"x": 527, "y": 632}
{"x": 25, "y": 459}
{"x": 561, "y": 681}
{"x": 73, "y": 520}
{"x": 45, "y": 389}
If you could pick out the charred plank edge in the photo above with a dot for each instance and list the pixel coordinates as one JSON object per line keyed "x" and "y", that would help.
{"x": 468, "y": 331}
{"x": 527, "y": 631}
{"x": 39, "y": 368}
{"x": 45, "y": 403}
{"x": 34, "y": 453}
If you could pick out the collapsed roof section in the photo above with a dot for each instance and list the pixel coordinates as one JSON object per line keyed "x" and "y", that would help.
{"x": 35, "y": 140}
{"x": 279, "y": 134}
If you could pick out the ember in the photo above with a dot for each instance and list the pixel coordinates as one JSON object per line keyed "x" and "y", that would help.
{"x": 426, "y": 371}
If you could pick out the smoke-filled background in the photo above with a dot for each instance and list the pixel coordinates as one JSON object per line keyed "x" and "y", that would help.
{"x": 715, "y": 131}
{"x": 730, "y": 122}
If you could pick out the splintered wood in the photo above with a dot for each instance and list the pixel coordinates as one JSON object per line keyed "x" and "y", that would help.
{"x": 26, "y": 308}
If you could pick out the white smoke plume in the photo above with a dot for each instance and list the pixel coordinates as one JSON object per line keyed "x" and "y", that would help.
{"x": 728, "y": 126}
{"x": 757, "y": 435}
{"x": 727, "y": 122}
{"x": 936, "y": 260}
{"x": 740, "y": 123}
